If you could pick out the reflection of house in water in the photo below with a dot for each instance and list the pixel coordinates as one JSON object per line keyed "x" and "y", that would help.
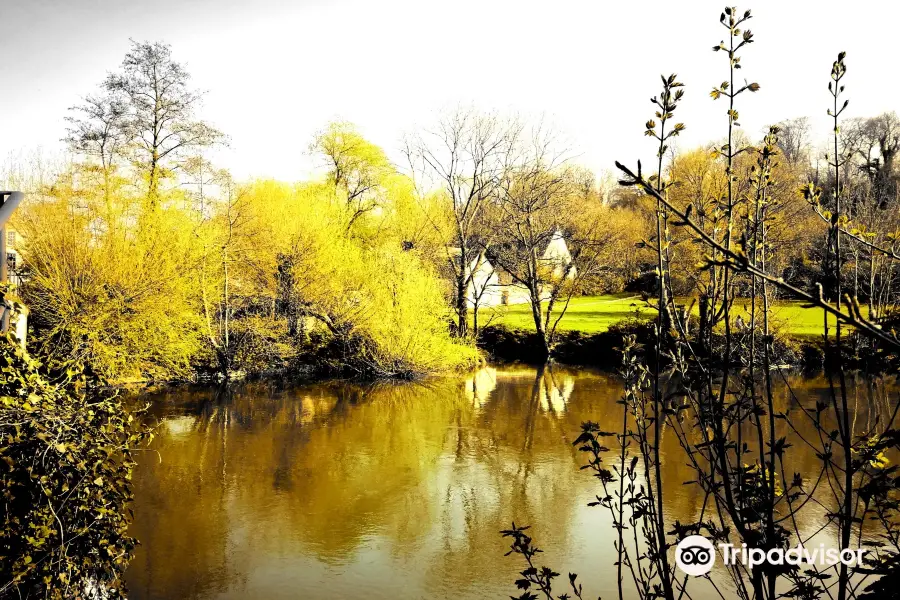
{"x": 480, "y": 384}
{"x": 555, "y": 392}
{"x": 552, "y": 389}
{"x": 180, "y": 426}
{"x": 492, "y": 286}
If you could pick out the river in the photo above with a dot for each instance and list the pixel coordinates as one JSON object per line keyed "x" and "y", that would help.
{"x": 394, "y": 490}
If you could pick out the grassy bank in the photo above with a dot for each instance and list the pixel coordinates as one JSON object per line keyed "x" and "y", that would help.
{"x": 595, "y": 314}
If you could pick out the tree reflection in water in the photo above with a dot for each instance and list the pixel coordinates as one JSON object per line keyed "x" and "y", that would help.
{"x": 387, "y": 490}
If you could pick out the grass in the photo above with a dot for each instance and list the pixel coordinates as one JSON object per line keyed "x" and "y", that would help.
{"x": 594, "y": 314}
{"x": 590, "y": 314}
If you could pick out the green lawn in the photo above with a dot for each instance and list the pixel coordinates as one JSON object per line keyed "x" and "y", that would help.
{"x": 593, "y": 314}
{"x": 791, "y": 317}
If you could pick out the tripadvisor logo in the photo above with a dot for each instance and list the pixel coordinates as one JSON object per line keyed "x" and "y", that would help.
{"x": 696, "y": 555}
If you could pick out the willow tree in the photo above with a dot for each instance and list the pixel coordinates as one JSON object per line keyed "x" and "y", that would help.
{"x": 357, "y": 169}
{"x": 104, "y": 291}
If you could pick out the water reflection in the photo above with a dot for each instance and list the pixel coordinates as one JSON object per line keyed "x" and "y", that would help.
{"x": 336, "y": 490}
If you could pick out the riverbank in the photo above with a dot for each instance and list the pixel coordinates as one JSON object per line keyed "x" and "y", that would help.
{"x": 601, "y": 349}
{"x": 593, "y": 328}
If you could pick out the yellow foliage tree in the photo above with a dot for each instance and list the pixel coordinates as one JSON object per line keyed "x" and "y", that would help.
{"x": 382, "y": 305}
{"x": 109, "y": 283}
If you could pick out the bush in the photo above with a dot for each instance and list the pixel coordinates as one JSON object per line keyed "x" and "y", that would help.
{"x": 506, "y": 344}
{"x": 380, "y": 308}
{"x": 265, "y": 346}
{"x": 66, "y": 459}
{"x": 112, "y": 291}
{"x": 603, "y": 349}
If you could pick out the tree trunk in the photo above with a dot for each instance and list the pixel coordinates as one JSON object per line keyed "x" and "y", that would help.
{"x": 703, "y": 329}
{"x": 462, "y": 307}
{"x": 225, "y": 351}
{"x": 872, "y": 313}
{"x": 539, "y": 322}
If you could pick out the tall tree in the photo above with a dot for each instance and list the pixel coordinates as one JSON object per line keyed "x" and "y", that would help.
{"x": 874, "y": 143}
{"x": 159, "y": 117}
{"x": 466, "y": 156}
{"x": 227, "y": 249}
{"x": 545, "y": 248}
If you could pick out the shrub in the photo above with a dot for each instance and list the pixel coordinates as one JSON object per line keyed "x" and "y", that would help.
{"x": 109, "y": 290}
{"x": 382, "y": 305}
{"x": 66, "y": 459}
{"x": 572, "y": 347}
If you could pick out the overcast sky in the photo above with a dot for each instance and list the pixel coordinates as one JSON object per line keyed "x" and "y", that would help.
{"x": 276, "y": 71}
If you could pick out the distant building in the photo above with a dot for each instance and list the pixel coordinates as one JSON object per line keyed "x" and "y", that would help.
{"x": 493, "y": 286}
{"x": 13, "y": 258}
{"x": 13, "y": 314}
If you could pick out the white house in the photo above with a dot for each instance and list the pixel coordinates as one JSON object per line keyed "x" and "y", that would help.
{"x": 557, "y": 254}
{"x": 13, "y": 258}
{"x": 493, "y": 286}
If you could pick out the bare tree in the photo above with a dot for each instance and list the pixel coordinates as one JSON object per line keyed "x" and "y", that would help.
{"x": 483, "y": 285}
{"x": 204, "y": 182}
{"x": 545, "y": 251}
{"x": 466, "y": 157}
{"x": 794, "y": 139}
{"x": 158, "y": 116}
{"x": 96, "y": 130}
{"x": 869, "y": 188}
{"x": 873, "y": 143}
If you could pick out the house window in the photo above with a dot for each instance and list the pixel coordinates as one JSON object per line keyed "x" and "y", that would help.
{"x": 10, "y": 239}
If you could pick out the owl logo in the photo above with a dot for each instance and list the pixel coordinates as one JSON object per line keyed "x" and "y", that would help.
{"x": 695, "y": 555}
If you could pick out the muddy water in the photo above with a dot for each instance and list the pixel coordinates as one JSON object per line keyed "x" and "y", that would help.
{"x": 339, "y": 490}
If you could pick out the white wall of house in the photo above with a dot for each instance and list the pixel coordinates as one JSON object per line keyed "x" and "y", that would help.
{"x": 13, "y": 239}
{"x": 19, "y": 323}
{"x": 484, "y": 289}
{"x": 487, "y": 288}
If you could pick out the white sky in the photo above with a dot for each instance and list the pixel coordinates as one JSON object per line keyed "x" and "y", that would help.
{"x": 277, "y": 71}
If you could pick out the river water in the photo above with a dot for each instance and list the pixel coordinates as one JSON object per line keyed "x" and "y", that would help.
{"x": 396, "y": 490}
